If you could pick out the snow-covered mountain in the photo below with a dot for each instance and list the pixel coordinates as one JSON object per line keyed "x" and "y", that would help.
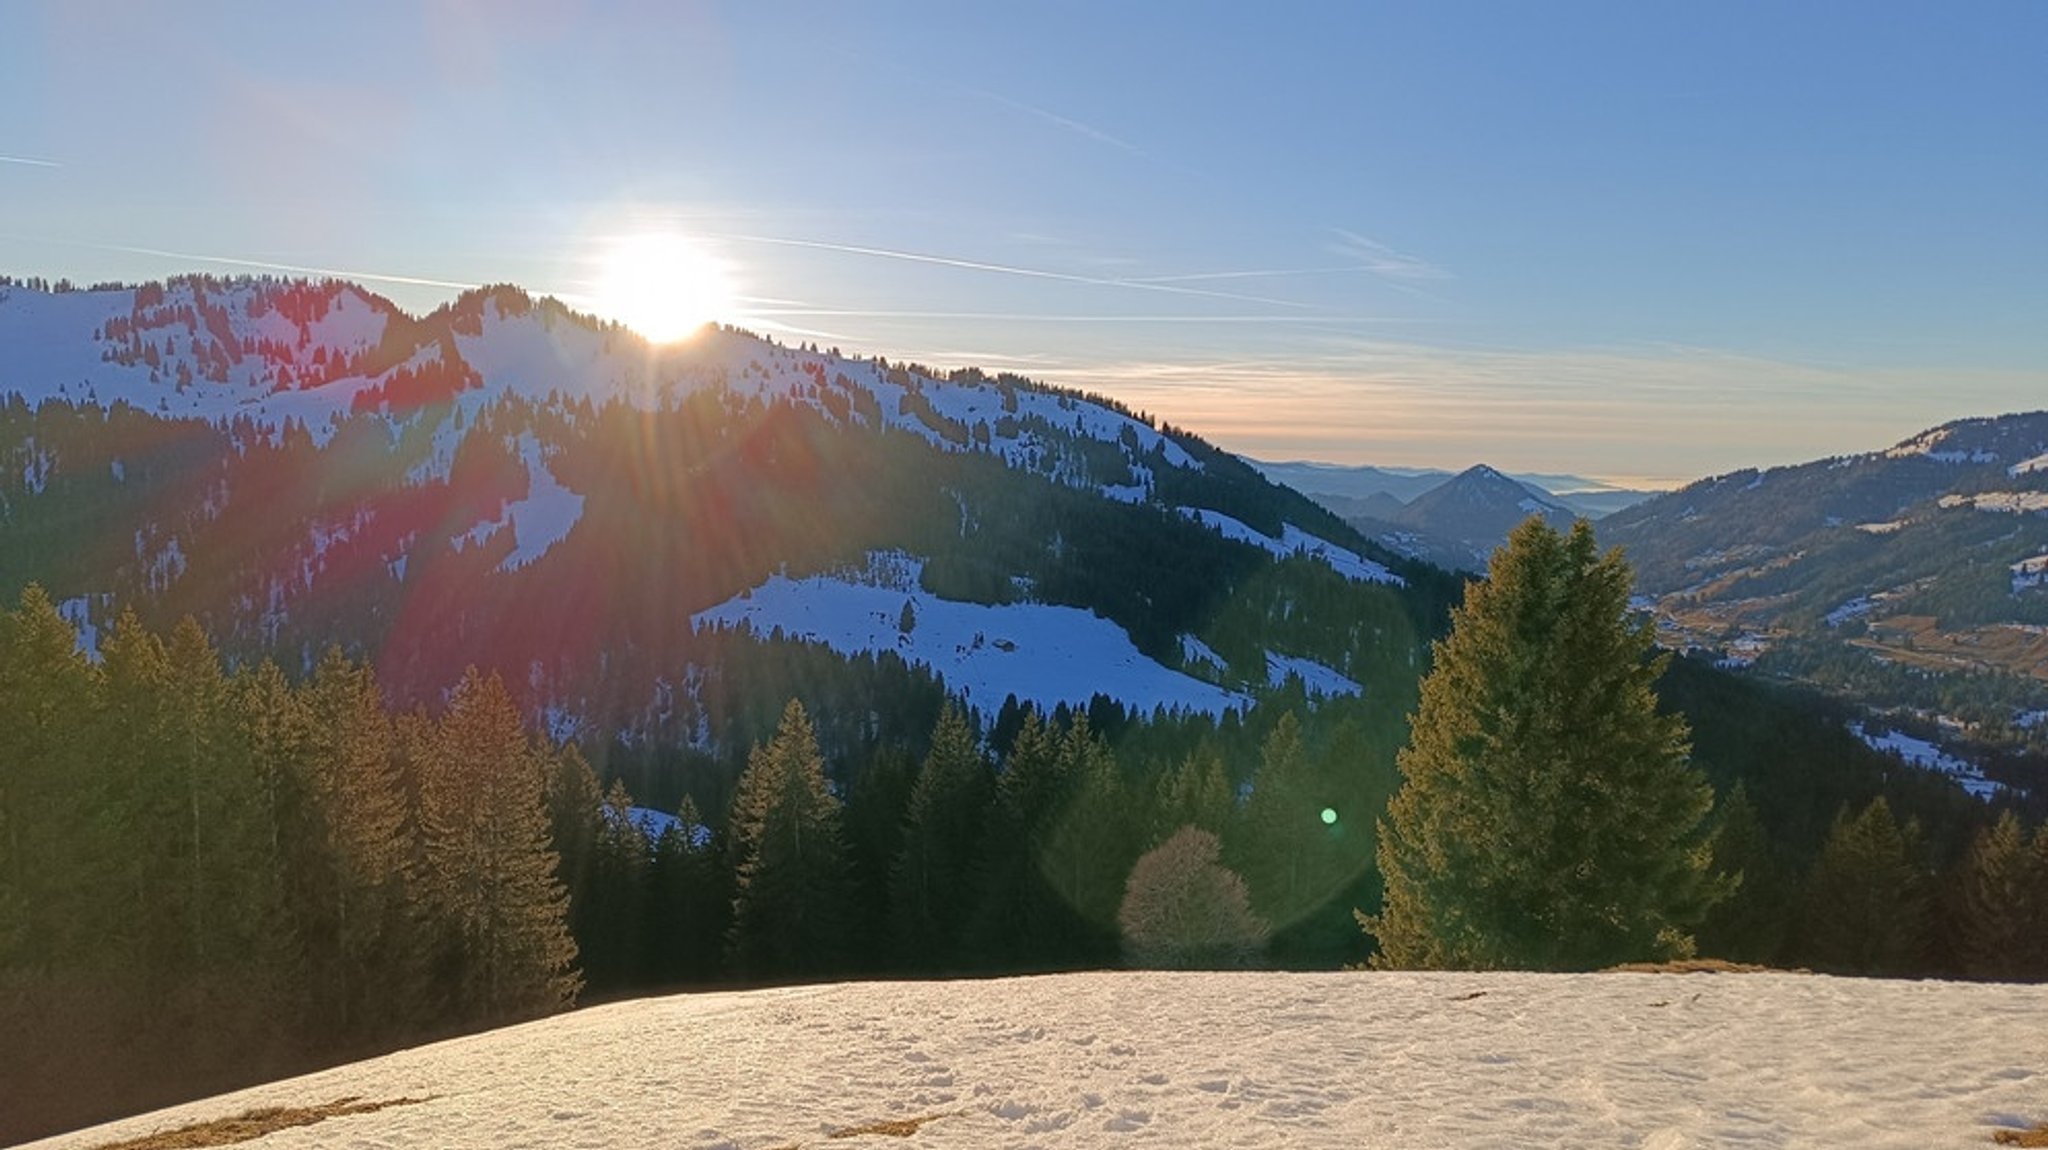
{"x": 507, "y": 482}
{"x": 1252, "y": 1060}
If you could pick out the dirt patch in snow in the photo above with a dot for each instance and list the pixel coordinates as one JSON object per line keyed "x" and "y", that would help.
{"x": 253, "y": 1124}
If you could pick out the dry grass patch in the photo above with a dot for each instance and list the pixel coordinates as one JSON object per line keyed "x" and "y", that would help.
{"x": 1699, "y": 966}
{"x": 894, "y": 1127}
{"x": 252, "y": 1124}
{"x": 2037, "y": 1135}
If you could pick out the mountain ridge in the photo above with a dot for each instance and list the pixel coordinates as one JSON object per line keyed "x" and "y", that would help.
{"x": 430, "y": 477}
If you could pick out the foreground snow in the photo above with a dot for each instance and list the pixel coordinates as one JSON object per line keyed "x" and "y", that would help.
{"x": 1246, "y": 1060}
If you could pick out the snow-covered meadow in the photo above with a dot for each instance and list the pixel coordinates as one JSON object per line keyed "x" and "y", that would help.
{"x": 1242, "y": 1060}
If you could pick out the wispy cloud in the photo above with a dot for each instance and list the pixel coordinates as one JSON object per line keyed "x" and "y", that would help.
{"x": 1656, "y": 413}
{"x": 1087, "y": 130}
{"x": 1013, "y": 270}
{"x": 28, "y": 161}
{"x": 1379, "y": 259}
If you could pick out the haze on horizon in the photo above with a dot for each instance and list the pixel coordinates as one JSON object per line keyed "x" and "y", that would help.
{"x": 1638, "y": 245}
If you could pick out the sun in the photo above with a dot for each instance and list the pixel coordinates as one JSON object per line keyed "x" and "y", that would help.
{"x": 660, "y": 285}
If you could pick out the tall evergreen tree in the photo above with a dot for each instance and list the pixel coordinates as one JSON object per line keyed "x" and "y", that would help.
{"x": 1748, "y": 925}
{"x": 789, "y": 858}
{"x": 1994, "y": 904}
{"x": 50, "y": 833}
{"x": 1867, "y": 898}
{"x": 358, "y": 893}
{"x": 690, "y": 899}
{"x": 1194, "y": 793}
{"x": 1549, "y": 818}
{"x": 1282, "y": 849}
{"x": 932, "y": 884}
{"x": 1086, "y": 849}
{"x": 508, "y": 952}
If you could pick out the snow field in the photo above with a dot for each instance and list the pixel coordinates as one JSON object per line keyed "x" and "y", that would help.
{"x": 1248, "y": 1060}
{"x": 1042, "y": 654}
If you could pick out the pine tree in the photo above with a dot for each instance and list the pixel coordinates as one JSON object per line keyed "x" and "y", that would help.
{"x": 691, "y": 901}
{"x": 1994, "y": 901}
{"x": 507, "y": 949}
{"x": 1748, "y": 925}
{"x": 1549, "y": 818}
{"x": 1280, "y": 851}
{"x": 1867, "y": 898}
{"x": 789, "y": 859}
{"x": 932, "y": 883}
{"x": 51, "y": 844}
{"x": 1195, "y": 793}
{"x": 357, "y": 881}
{"x": 1086, "y": 850}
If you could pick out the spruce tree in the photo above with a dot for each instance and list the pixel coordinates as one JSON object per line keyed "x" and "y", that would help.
{"x": 1748, "y": 925}
{"x": 1867, "y": 897}
{"x": 52, "y": 827}
{"x": 1994, "y": 904}
{"x": 932, "y": 884}
{"x": 1281, "y": 851}
{"x": 1086, "y": 849}
{"x": 789, "y": 858}
{"x": 1549, "y": 817}
{"x": 1195, "y": 793}
{"x": 358, "y": 891}
{"x": 508, "y": 952}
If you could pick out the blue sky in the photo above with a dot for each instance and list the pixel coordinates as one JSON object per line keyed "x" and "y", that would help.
{"x": 1624, "y": 240}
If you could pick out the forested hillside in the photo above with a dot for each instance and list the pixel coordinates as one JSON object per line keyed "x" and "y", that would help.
{"x": 1910, "y": 578}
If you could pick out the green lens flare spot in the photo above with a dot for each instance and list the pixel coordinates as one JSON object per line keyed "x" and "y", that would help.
{"x": 1329, "y": 816}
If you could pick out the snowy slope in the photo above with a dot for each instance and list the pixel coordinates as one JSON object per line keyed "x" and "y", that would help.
{"x": 130, "y": 344}
{"x": 1455, "y": 1061}
{"x": 1040, "y": 653}
{"x": 1294, "y": 541}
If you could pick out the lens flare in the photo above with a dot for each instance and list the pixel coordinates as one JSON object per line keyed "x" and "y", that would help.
{"x": 660, "y": 285}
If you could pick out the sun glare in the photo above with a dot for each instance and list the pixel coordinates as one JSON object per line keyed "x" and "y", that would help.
{"x": 661, "y": 286}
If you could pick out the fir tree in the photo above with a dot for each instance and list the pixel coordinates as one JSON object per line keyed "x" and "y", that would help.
{"x": 690, "y": 897}
{"x": 509, "y": 953}
{"x": 50, "y": 831}
{"x": 932, "y": 884}
{"x": 1086, "y": 851}
{"x": 1281, "y": 852}
{"x": 1748, "y": 925}
{"x": 1994, "y": 904}
{"x": 789, "y": 859}
{"x": 1549, "y": 818}
{"x": 1867, "y": 898}
{"x": 1194, "y": 793}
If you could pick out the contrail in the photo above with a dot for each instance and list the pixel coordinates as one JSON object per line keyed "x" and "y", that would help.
{"x": 299, "y": 269}
{"x": 1009, "y": 269}
{"x": 29, "y": 162}
{"x": 1262, "y": 273}
{"x": 1040, "y": 317}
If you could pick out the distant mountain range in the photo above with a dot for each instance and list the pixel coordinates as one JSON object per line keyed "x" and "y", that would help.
{"x": 1915, "y": 577}
{"x": 1452, "y": 521}
{"x": 1591, "y": 498}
